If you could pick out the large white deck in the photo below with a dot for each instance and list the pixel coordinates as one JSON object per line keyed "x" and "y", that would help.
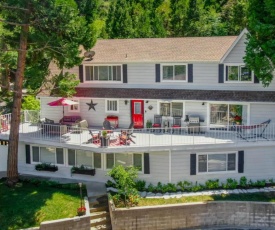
{"x": 145, "y": 139}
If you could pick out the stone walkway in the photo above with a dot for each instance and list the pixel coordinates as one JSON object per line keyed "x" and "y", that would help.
{"x": 201, "y": 193}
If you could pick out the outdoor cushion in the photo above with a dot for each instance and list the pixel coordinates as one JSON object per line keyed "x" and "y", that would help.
{"x": 67, "y": 119}
{"x": 156, "y": 125}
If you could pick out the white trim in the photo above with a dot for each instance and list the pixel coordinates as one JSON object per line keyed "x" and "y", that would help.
{"x": 170, "y": 166}
{"x": 173, "y": 64}
{"x": 217, "y": 172}
{"x": 55, "y": 157}
{"x": 239, "y": 65}
{"x": 106, "y": 106}
{"x": 98, "y": 81}
{"x": 245, "y": 31}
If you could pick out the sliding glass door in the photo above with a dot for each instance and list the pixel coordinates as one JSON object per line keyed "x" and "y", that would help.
{"x": 228, "y": 114}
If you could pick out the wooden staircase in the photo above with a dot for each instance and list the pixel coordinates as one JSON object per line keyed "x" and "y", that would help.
{"x": 100, "y": 216}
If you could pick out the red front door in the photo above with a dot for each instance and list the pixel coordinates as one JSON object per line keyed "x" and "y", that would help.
{"x": 138, "y": 113}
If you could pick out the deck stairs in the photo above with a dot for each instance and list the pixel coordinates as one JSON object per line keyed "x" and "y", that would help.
{"x": 100, "y": 215}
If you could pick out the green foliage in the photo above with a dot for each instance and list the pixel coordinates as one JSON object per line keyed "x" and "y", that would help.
{"x": 184, "y": 185}
{"x": 230, "y": 184}
{"x": 30, "y": 103}
{"x": 261, "y": 40}
{"x": 243, "y": 181}
{"x": 197, "y": 187}
{"x": 124, "y": 178}
{"x": 27, "y": 204}
{"x": 169, "y": 188}
{"x": 140, "y": 185}
{"x": 110, "y": 183}
{"x": 148, "y": 124}
{"x": 46, "y": 167}
{"x": 212, "y": 184}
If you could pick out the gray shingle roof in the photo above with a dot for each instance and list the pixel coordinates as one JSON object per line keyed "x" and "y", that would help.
{"x": 187, "y": 49}
{"x": 202, "y": 95}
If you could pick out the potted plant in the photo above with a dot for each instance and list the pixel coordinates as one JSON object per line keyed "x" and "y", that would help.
{"x": 148, "y": 124}
{"x": 83, "y": 170}
{"x": 46, "y": 167}
{"x": 81, "y": 211}
{"x": 104, "y": 139}
{"x": 238, "y": 119}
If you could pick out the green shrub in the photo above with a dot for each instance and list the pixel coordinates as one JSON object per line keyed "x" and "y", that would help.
{"x": 140, "y": 185}
{"x": 230, "y": 184}
{"x": 212, "y": 184}
{"x": 169, "y": 188}
{"x": 151, "y": 188}
{"x": 184, "y": 185}
{"x": 243, "y": 182}
{"x": 109, "y": 184}
{"x": 124, "y": 178}
{"x": 197, "y": 187}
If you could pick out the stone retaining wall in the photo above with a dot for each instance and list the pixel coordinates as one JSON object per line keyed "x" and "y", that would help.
{"x": 186, "y": 216}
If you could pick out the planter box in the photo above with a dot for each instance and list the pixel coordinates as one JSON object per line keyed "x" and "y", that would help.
{"x": 47, "y": 169}
{"x": 85, "y": 171}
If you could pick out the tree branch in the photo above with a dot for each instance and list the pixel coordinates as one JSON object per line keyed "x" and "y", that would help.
{"x": 14, "y": 8}
{"x": 14, "y": 23}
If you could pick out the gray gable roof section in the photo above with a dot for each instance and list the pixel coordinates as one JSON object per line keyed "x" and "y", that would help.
{"x": 184, "y": 49}
{"x": 177, "y": 94}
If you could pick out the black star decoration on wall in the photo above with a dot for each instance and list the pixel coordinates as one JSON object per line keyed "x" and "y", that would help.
{"x": 92, "y": 105}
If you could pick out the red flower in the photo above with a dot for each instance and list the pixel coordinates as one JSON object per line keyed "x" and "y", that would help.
{"x": 81, "y": 209}
{"x": 238, "y": 118}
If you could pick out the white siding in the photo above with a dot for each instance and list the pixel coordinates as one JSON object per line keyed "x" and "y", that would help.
{"x": 205, "y": 76}
{"x": 258, "y": 164}
{"x": 237, "y": 53}
{"x": 262, "y": 112}
{"x": 159, "y": 168}
{"x": 3, "y": 157}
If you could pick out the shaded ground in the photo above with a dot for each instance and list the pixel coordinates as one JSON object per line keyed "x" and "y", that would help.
{"x": 27, "y": 204}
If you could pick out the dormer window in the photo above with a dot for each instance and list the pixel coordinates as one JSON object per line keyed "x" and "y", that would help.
{"x": 103, "y": 73}
{"x": 176, "y": 72}
{"x": 238, "y": 73}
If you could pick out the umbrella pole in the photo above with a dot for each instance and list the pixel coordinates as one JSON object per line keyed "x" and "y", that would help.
{"x": 63, "y": 111}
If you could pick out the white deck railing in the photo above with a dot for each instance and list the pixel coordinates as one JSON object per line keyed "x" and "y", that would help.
{"x": 30, "y": 129}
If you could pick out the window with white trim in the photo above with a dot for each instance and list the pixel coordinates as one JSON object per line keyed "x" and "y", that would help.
{"x": 103, "y": 73}
{"x": 216, "y": 162}
{"x": 238, "y": 73}
{"x": 124, "y": 159}
{"x": 85, "y": 158}
{"x": 112, "y": 106}
{"x": 74, "y": 108}
{"x": 174, "y": 109}
{"x": 47, "y": 155}
{"x": 174, "y": 72}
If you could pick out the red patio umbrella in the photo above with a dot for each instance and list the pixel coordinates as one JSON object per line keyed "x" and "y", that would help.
{"x": 62, "y": 102}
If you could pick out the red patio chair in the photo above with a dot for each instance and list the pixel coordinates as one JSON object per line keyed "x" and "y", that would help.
{"x": 157, "y": 122}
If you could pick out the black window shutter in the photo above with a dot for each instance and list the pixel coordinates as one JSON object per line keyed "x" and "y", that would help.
{"x": 146, "y": 159}
{"x": 221, "y": 73}
{"x": 256, "y": 80}
{"x": 190, "y": 73}
{"x": 124, "y": 70}
{"x": 81, "y": 73}
{"x": 157, "y": 72}
{"x": 28, "y": 154}
{"x": 240, "y": 161}
{"x": 193, "y": 164}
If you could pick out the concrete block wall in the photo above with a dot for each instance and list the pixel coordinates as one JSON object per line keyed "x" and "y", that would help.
{"x": 186, "y": 216}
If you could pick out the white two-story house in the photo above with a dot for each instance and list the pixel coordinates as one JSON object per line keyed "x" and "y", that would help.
{"x": 202, "y": 79}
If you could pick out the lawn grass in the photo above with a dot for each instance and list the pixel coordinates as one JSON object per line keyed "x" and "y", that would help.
{"x": 27, "y": 205}
{"x": 260, "y": 197}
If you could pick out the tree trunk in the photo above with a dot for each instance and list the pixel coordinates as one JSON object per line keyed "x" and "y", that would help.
{"x": 12, "y": 165}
